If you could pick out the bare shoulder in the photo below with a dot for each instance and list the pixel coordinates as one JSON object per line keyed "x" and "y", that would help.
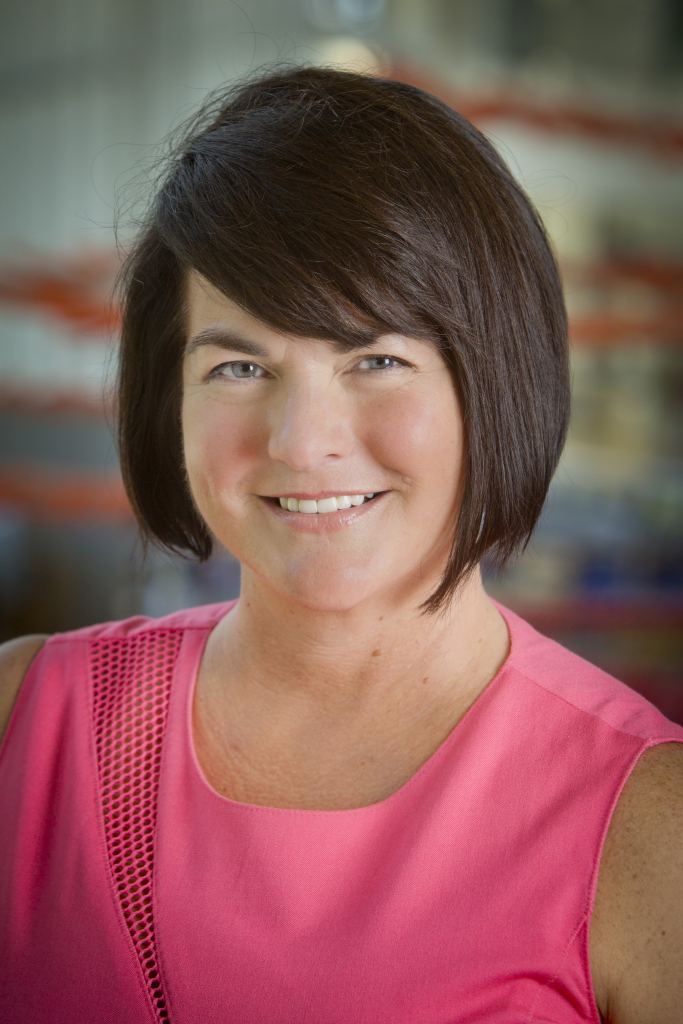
{"x": 636, "y": 934}
{"x": 15, "y": 659}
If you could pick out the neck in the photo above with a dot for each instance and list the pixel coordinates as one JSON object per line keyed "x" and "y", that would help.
{"x": 347, "y": 666}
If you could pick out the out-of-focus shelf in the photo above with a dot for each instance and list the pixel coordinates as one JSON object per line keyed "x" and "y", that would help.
{"x": 663, "y": 138}
{"x": 76, "y": 295}
{"x": 65, "y": 496}
{"x": 587, "y": 613}
{"x": 601, "y": 330}
{"x": 664, "y": 276}
{"x": 53, "y": 402}
{"x": 639, "y": 642}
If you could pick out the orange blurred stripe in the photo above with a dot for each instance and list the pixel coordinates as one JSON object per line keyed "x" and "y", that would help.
{"x": 46, "y": 495}
{"x": 663, "y": 137}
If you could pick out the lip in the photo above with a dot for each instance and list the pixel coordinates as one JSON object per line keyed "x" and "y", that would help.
{"x": 323, "y": 522}
{"x": 320, "y": 495}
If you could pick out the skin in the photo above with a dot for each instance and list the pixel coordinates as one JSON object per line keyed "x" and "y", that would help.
{"x": 636, "y": 933}
{"x": 326, "y": 638}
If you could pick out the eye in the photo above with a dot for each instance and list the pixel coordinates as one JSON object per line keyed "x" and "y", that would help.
{"x": 236, "y": 370}
{"x": 385, "y": 360}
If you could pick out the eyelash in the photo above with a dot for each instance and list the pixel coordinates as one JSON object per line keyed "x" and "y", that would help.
{"x": 215, "y": 373}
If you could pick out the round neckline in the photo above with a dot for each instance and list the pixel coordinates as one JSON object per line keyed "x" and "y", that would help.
{"x": 484, "y": 698}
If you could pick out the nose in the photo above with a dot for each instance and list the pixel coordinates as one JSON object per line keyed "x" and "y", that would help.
{"x": 308, "y": 425}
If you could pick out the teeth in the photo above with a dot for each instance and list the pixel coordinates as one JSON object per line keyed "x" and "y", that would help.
{"x": 325, "y": 504}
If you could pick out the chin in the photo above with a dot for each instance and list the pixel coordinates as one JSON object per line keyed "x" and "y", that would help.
{"x": 332, "y": 589}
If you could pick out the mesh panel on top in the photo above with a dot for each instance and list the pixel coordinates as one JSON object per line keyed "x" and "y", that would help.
{"x": 131, "y": 679}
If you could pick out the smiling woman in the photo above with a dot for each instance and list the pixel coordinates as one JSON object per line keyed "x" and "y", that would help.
{"x": 386, "y": 226}
{"x": 344, "y": 360}
{"x": 314, "y": 420}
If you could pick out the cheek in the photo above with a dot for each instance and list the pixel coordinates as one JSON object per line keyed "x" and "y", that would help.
{"x": 216, "y": 440}
{"x": 419, "y": 434}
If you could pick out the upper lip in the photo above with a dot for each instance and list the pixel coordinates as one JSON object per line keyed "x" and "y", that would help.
{"x": 320, "y": 495}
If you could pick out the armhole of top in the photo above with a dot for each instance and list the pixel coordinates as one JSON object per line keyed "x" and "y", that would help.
{"x": 595, "y": 872}
{"x": 21, "y": 688}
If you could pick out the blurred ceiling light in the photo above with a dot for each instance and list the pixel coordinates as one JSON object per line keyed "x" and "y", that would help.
{"x": 344, "y": 15}
{"x": 351, "y": 55}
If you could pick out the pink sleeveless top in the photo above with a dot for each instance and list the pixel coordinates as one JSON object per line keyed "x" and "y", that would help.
{"x": 132, "y": 891}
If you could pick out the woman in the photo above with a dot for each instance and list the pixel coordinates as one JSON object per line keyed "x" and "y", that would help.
{"x": 364, "y": 791}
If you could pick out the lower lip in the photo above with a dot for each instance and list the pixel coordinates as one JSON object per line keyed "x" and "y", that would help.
{"x": 323, "y": 522}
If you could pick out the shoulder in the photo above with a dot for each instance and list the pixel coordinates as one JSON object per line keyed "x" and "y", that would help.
{"x": 15, "y": 659}
{"x": 16, "y": 655}
{"x": 636, "y": 934}
{"x": 579, "y": 683}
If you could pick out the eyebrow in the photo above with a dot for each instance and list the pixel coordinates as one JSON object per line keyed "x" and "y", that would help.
{"x": 225, "y": 337}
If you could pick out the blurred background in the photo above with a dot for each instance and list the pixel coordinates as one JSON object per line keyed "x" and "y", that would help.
{"x": 582, "y": 99}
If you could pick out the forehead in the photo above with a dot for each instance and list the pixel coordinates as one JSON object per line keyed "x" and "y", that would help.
{"x": 206, "y": 305}
{"x": 212, "y": 317}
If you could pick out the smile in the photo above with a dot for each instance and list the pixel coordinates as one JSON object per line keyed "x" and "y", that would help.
{"x": 324, "y": 505}
{"x": 313, "y": 516}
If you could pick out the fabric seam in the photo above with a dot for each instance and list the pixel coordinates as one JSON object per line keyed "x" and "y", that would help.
{"x": 532, "y": 1011}
{"x": 584, "y": 711}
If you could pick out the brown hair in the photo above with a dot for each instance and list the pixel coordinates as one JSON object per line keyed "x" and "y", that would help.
{"x": 331, "y": 204}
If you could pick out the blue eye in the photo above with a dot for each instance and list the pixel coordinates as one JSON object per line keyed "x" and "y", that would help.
{"x": 386, "y": 359}
{"x": 236, "y": 367}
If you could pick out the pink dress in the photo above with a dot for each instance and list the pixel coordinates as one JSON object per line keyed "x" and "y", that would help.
{"x": 131, "y": 891}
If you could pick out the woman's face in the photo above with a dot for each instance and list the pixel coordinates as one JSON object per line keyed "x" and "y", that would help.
{"x": 277, "y": 416}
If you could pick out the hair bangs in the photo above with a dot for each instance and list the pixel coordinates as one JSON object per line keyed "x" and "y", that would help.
{"x": 333, "y": 268}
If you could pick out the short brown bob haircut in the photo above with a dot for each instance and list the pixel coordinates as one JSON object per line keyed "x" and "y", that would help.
{"x": 335, "y": 205}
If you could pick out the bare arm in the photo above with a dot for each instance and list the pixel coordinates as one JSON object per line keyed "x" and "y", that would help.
{"x": 637, "y": 929}
{"x": 15, "y": 659}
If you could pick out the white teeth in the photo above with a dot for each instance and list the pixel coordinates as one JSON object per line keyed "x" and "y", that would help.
{"x": 324, "y": 505}
{"x": 310, "y": 506}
